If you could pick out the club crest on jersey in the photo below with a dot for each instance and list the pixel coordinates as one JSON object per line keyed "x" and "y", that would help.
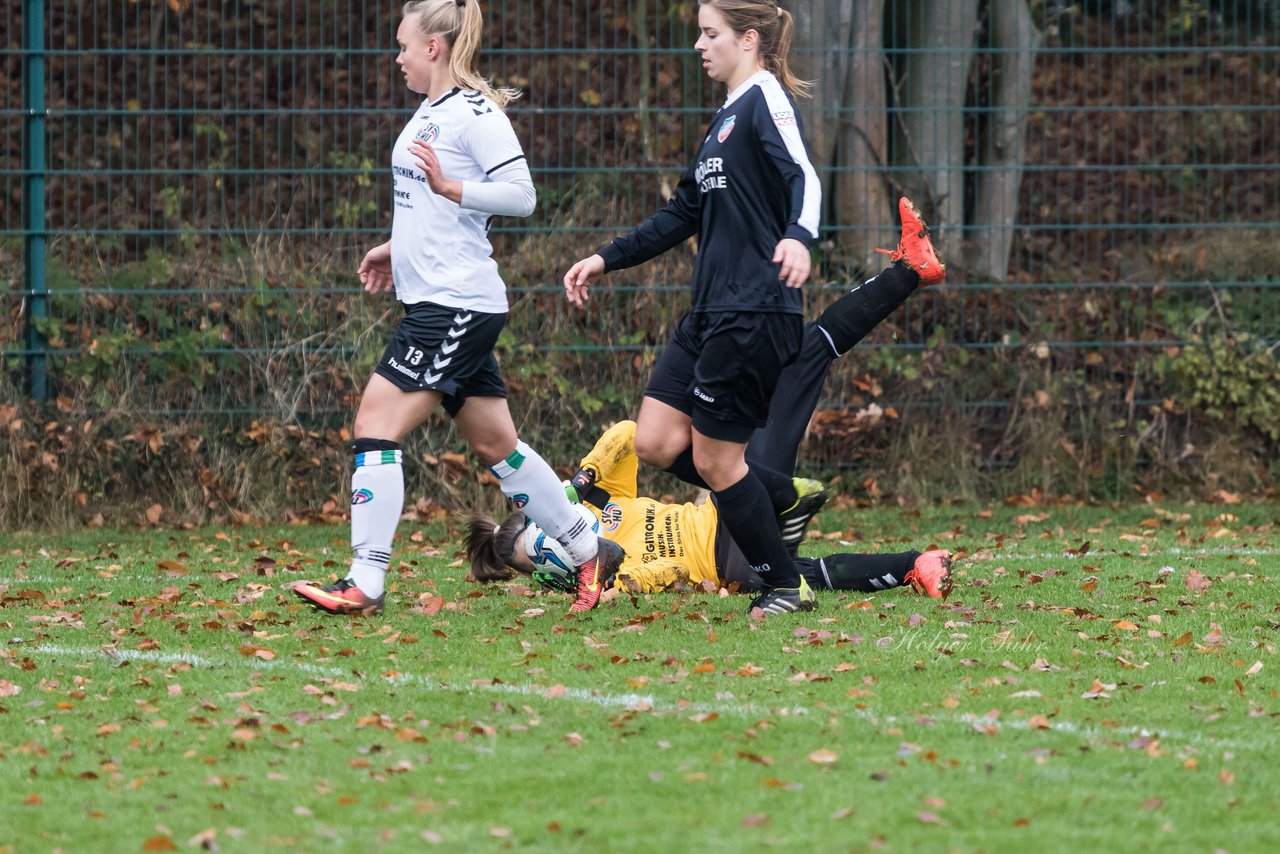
{"x": 519, "y": 500}
{"x": 611, "y": 516}
{"x": 429, "y": 134}
{"x": 361, "y": 496}
{"x": 726, "y": 128}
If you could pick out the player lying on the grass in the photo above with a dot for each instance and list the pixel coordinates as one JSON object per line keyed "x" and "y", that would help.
{"x": 671, "y": 546}
{"x": 496, "y": 551}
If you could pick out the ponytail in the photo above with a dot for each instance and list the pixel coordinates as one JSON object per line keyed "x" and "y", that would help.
{"x": 776, "y": 60}
{"x": 461, "y": 24}
{"x": 489, "y": 545}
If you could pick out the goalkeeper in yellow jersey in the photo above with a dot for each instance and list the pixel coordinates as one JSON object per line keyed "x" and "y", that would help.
{"x": 669, "y": 546}
{"x": 673, "y": 546}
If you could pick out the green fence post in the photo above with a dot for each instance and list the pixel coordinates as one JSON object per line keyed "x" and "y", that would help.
{"x": 33, "y": 169}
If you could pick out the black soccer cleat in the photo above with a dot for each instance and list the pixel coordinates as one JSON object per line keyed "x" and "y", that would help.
{"x": 811, "y": 495}
{"x": 784, "y": 600}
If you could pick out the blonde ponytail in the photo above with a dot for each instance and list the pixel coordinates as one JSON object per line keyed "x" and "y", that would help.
{"x": 461, "y": 24}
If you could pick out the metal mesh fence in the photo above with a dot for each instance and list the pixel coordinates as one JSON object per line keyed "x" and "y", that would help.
{"x": 212, "y": 173}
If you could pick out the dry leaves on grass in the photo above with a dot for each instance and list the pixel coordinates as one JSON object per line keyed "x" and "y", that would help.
{"x": 1196, "y": 582}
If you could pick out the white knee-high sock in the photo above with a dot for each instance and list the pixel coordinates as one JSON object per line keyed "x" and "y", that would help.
{"x": 377, "y": 498}
{"x": 533, "y": 487}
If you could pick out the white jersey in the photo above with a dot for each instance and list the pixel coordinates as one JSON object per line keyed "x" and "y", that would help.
{"x": 440, "y": 251}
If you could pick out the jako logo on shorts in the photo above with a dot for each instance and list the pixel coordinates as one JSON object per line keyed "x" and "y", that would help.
{"x": 726, "y": 128}
{"x": 611, "y": 516}
{"x": 519, "y": 501}
{"x": 429, "y": 133}
{"x": 361, "y": 496}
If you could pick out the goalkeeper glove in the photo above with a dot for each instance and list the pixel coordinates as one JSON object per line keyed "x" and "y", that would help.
{"x": 578, "y": 485}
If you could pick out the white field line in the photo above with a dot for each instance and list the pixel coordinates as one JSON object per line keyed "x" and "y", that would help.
{"x": 1176, "y": 551}
{"x": 624, "y": 702}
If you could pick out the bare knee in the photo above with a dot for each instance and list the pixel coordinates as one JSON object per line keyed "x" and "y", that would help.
{"x": 719, "y": 470}
{"x": 492, "y": 450}
{"x": 657, "y": 450}
{"x": 366, "y": 427}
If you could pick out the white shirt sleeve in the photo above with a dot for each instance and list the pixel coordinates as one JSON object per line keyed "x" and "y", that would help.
{"x": 508, "y": 192}
{"x": 806, "y": 191}
{"x": 492, "y": 143}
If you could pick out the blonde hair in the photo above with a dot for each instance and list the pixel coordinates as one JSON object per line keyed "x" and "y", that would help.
{"x": 776, "y": 28}
{"x": 461, "y": 24}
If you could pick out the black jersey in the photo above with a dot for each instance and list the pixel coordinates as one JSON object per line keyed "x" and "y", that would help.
{"x": 751, "y": 185}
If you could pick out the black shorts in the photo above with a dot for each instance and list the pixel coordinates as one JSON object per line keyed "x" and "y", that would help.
{"x": 448, "y": 350}
{"x": 722, "y": 368}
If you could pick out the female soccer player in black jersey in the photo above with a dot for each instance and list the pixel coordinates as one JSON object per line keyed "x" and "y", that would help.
{"x": 752, "y": 197}
{"x": 456, "y": 164}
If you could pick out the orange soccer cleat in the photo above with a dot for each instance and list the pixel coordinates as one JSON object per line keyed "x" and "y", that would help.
{"x": 595, "y": 574}
{"x": 914, "y": 248}
{"x": 340, "y": 598}
{"x": 931, "y": 574}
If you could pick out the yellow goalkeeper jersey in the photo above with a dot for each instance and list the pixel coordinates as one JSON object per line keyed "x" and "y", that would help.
{"x": 666, "y": 544}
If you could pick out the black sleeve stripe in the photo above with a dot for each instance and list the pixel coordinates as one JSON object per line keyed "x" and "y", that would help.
{"x": 504, "y": 163}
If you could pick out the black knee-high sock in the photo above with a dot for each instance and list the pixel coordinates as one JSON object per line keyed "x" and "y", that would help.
{"x": 782, "y": 492}
{"x": 747, "y": 512}
{"x": 849, "y": 319}
{"x": 862, "y": 572}
{"x": 683, "y": 468}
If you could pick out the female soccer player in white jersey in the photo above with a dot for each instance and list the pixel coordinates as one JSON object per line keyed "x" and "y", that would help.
{"x": 752, "y": 198}
{"x": 456, "y": 164}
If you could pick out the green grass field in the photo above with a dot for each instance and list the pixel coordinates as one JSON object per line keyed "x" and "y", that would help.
{"x": 1101, "y": 679}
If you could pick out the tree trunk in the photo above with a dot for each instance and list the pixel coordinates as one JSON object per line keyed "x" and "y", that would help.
{"x": 865, "y": 201}
{"x": 1014, "y": 42}
{"x": 845, "y": 122}
{"x": 932, "y": 87}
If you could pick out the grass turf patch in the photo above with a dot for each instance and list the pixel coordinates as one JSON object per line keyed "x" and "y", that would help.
{"x": 1100, "y": 677}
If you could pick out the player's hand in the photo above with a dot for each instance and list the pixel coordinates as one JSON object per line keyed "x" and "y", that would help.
{"x": 580, "y": 276}
{"x": 794, "y": 258}
{"x": 375, "y": 270}
{"x": 430, "y": 166}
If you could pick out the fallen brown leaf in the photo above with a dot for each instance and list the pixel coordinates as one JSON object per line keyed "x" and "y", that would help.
{"x": 1196, "y": 582}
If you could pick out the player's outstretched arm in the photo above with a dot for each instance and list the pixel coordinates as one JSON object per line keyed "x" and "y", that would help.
{"x": 580, "y": 277}
{"x": 652, "y": 577}
{"x": 613, "y": 460}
